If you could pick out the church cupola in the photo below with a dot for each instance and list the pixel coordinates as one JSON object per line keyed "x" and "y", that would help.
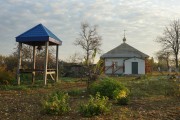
{"x": 124, "y": 39}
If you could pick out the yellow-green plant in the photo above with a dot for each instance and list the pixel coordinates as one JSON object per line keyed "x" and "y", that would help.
{"x": 95, "y": 106}
{"x": 56, "y": 103}
{"x": 121, "y": 96}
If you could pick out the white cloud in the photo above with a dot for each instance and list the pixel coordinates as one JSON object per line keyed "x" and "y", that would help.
{"x": 143, "y": 20}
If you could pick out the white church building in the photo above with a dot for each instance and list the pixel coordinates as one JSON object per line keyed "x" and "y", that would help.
{"x": 124, "y": 59}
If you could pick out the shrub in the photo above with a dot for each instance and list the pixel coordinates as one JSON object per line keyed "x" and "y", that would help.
{"x": 106, "y": 87}
{"x": 56, "y": 103}
{"x": 121, "y": 96}
{"x": 6, "y": 77}
{"x": 95, "y": 106}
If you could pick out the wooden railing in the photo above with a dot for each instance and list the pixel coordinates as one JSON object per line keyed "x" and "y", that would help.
{"x": 114, "y": 69}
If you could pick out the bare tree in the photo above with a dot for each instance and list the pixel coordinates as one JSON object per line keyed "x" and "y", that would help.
{"x": 26, "y": 52}
{"x": 89, "y": 41}
{"x": 171, "y": 39}
{"x": 75, "y": 58}
{"x": 164, "y": 55}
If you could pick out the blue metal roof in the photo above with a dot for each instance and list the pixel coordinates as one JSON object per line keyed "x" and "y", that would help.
{"x": 36, "y": 34}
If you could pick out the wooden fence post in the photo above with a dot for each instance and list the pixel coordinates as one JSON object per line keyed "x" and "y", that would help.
{"x": 19, "y": 63}
{"x": 57, "y": 50}
{"x": 46, "y": 62}
{"x": 34, "y": 64}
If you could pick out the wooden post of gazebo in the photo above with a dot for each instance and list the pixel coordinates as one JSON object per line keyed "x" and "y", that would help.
{"x": 46, "y": 62}
{"x": 57, "y": 50}
{"x": 38, "y": 36}
{"x": 19, "y": 63}
{"x": 34, "y": 64}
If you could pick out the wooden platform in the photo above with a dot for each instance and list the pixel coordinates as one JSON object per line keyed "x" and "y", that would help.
{"x": 50, "y": 71}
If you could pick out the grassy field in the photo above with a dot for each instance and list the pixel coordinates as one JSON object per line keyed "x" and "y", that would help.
{"x": 151, "y": 98}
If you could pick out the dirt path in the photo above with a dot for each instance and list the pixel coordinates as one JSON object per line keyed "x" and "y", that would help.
{"x": 26, "y": 105}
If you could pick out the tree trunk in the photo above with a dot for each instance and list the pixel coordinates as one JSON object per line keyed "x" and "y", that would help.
{"x": 176, "y": 61}
{"x": 167, "y": 62}
{"x": 88, "y": 71}
{"x": 88, "y": 78}
{"x": 87, "y": 59}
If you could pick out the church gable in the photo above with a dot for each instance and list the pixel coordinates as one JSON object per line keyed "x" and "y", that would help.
{"x": 124, "y": 59}
{"x": 124, "y": 51}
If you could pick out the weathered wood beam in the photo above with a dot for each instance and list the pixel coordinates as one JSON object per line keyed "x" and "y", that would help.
{"x": 19, "y": 63}
{"x": 46, "y": 62}
{"x": 52, "y": 77}
{"x": 57, "y": 51}
{"x": 34, "y": 64}
{"x": 52, "y": 72}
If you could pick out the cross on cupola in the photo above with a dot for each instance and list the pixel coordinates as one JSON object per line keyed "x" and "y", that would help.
{"x": 124, "y": 39}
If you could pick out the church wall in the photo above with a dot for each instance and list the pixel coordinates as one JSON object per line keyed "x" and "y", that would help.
{"x": 128, "y": 66}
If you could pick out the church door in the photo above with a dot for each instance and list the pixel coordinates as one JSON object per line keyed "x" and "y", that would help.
{"x": 134, "y": 67}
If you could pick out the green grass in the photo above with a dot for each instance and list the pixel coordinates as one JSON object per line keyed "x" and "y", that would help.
{"x": 151, "y": 86}
{"x": 70, "y": 79}
{"x": 11, "y": 87}
{"x": 145, "y": 86}
{"x": 75, "y": 92}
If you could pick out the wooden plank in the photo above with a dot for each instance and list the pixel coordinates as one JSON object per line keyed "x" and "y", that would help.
{"x": 55, "y": 41}
{"x": 108, "y": 67}
{"x": 34, "y": 64}
{"x": 46, "y": 63}
{"x": 114, "y": 70}
{"x": 52, "y": 77}
{"x": 57, "y": 50}
{"x": 51, "y": 69}
{"x": 36, "y": 70}
{"x": 30, "y": 70}
{"x": 52, "y": 72}
{"x": 19, "y": 63}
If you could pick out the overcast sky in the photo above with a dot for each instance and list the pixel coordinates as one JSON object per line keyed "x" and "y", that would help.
{"x": 143, "y": 21}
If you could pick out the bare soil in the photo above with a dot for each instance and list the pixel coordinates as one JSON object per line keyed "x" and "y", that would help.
{"x": 26, "y": 105}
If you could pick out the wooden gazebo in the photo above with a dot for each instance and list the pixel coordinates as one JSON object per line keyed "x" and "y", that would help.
{"x": 36, "y": 37}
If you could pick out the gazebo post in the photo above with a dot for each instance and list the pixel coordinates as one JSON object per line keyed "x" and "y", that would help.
{"x": 46, "y": 62}
{"x": 34, "y": 64}
{"x": 57, "y": 50}
{"x": 19, "y": 63}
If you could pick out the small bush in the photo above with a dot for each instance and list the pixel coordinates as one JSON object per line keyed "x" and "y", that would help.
{"x": 56, "y": 103}
{"x": 106, "y": 87}
{"x": 95, "y": 106}
{"x": 6, "y": 77}
{"x": 121, "y": 96}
